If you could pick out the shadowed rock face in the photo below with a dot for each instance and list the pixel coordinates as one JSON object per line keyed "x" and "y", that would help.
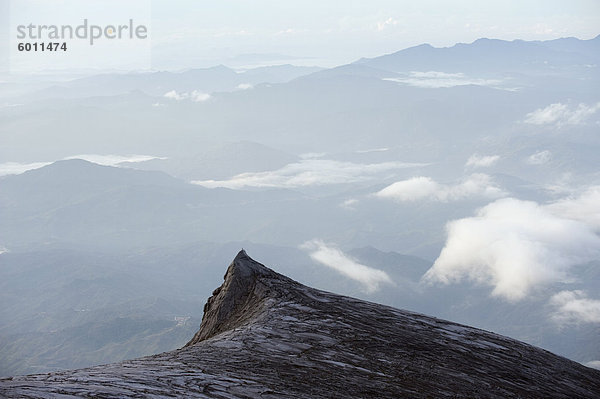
{"x": 266, "y": 336}
{"x": 241, "y": 297}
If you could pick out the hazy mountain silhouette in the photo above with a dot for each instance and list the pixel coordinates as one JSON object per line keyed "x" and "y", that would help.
{"x": 491, "y": 55}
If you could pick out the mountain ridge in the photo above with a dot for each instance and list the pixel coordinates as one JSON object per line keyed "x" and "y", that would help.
{"x": 265, "y": 335}
{"x": 490, "y": 55}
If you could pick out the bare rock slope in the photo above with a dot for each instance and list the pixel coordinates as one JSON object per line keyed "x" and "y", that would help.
{"x": 264, "y": 335}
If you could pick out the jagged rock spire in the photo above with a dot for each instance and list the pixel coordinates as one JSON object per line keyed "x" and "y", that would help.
{"x": 238, "y": 299}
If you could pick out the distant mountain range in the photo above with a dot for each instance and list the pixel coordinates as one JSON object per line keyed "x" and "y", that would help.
{"x": 205, "y": 80}
{"x": 493, "y": 55}
{"x": 282, "y": 156}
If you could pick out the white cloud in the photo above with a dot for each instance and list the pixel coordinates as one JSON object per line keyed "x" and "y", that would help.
{"x": 584, "y": 208}
{"x": 562, "y": 114}
{"x": 245, "y": 86}
{"x": 332, "y": 257}
{"x": 113, "y": 160}
{"x": 309, "y": 172}
{"x": 418, "y": 188}
{"x": 542, "y": 116}
{"x": 562, "y": 184}
{"x": 539, "y": 158}
{"x": 582, "y": 113}
{"x": 383, "y": 149}
{"x": 349, "y": 204}
{"x": 16, "y": 168}
{"x": 574, "y": 307}
{"x": 595, "y": 364}
{"x": 195, "y": 96}
{"x": 312, "y": 155}
{"x": 381, "y": 25}
{"x": 173, "y": 95}
{"x": 482, "y": 161}
{"x": 198, "y": 96}
{"x": 410, "y": 190}
{"x": 437, "y": 75}
{"x": 435, "y": 79}
{"x": 516, "y": 246}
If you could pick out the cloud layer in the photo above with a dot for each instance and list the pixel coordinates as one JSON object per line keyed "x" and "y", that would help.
{"x": 434, "y": 79}
{"x": 539, "y": 158}
{"x": 595, "y": 364}
{"x": 419, "y": 188}
{"x": 195, "y": 96}
{"x": 516, "y": 246}
{"x": 329, "y": 256}
{"x": 482, "y": 161}
{"x": 574, "y": 307}
{"x": 309, "y": 172}
{"x": 114, "y": 160}
{"x": 16, "y": 168}
{"x": 562, "y": 114}
{"x": 584, "y": 208}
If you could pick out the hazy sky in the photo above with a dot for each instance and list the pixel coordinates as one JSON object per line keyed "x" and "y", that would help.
{"x": 192, "y": 33}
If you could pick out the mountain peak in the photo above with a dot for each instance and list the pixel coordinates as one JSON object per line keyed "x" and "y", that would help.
{"x": 238, "y": 299}
{"x": 265, "y": 335}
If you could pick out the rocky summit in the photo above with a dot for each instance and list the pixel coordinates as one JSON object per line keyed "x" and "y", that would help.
{"x": 264, "y": 335}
